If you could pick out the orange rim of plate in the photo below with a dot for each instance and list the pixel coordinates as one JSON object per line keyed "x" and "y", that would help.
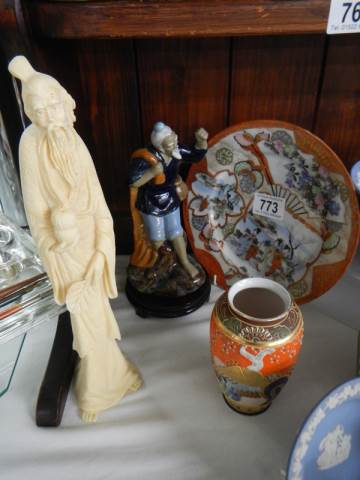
{"x": 324, "y": 276}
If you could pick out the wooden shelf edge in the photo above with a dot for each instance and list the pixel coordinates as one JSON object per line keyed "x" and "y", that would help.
{"x": 175, "y": 18}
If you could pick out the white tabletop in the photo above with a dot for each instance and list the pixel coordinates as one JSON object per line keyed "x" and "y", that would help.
{"x": 177, "y": 426}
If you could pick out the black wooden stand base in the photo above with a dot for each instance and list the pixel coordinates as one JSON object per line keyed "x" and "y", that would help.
{"x": 151, "y": 305}
{"x": 57, "y": 379}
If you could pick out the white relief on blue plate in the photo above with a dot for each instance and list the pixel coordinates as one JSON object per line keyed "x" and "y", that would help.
{"x": 351, "y": 390}
{"x": 335, "y": 448}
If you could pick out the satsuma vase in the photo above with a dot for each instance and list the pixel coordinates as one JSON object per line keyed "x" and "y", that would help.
{"x": 253, "y": 358}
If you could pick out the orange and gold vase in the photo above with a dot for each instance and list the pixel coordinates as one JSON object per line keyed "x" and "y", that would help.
{"x": 256, "y": 334}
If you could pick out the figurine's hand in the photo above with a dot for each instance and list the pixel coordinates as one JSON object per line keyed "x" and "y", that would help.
{"x": 157, "y": 169}
{"x": 95, "y": 268}
{"x": 59, "y": 247}
{"x": 62, "y": 247}
{"x": 201, "y": 138}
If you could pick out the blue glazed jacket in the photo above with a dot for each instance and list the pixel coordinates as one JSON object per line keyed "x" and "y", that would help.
{"x": 161, "y": 199}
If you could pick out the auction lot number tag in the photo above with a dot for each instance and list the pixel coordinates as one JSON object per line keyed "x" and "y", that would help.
{"x": 344, "y": 16}
{"x": 269, "y": 206}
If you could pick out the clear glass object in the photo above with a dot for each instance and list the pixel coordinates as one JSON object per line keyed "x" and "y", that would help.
{"x": 18, "y": 259}
{"x": 26, "y": 296}
{"x": 9, "y": 356}
{"x": 11, "y": 202}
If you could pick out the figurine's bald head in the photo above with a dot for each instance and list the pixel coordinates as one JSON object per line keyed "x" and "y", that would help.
{"x": 165, "y": 139}
{"x": 46, "y": 102}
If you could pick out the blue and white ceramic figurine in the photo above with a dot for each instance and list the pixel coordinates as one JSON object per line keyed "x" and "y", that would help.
{"x": 163, "y": 280}
{"x": 328, "y": 444}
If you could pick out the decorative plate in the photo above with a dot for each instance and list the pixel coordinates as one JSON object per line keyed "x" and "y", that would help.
{"x": 328, "y": 444}
{"x": 309, "y": 248}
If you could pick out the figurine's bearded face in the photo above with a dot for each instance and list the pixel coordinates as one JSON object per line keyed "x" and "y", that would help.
{"x": 49, "y": 110}
{"x": 47, "y": 103}
{"x": 53, "y": 112}
{"x": 170, "y": 146}
{"x": 62, "y": 147}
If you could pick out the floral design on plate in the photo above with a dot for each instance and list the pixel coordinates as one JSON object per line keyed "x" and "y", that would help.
{"x": 224, "y": 156}
{"x": 320, "y": 227}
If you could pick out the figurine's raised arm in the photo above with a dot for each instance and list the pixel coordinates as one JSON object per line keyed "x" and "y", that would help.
{"x": 201, "y": 139}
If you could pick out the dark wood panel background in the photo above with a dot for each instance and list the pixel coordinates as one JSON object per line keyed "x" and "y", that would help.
{"x": 185, "y": 83}
{"x": 123, "y": 86}
{"x": 276, "y": 78}
{"x": 337, "y": 120}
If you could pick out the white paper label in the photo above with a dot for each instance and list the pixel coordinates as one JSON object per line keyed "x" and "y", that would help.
{"x": 344, "y": 17}
{"x": 269, "y": 206}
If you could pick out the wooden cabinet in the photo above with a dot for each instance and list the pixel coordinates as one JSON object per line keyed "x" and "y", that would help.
{"x": 193, "y": 62}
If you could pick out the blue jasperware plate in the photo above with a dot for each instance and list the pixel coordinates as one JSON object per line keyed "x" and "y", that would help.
{"x": 328, "y": 445}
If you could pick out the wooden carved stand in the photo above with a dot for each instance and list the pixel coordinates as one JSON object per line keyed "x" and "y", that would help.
{"x": 58, "y": 376}
{"x": 166, "y": 307}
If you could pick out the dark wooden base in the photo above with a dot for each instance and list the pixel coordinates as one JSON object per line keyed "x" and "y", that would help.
{"x": 150, "y": 305}
{"x": 58, "y": 376}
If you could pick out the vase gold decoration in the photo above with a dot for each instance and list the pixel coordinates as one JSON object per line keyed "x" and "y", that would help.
{"x": 254, "y": 356}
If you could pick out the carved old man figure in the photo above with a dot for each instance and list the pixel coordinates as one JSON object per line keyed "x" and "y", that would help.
{"x": 73, "y": 229}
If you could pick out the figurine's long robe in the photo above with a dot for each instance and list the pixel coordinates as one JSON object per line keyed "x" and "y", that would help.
{"x": 104, "y": 376}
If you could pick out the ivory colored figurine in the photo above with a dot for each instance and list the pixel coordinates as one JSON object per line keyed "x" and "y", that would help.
{"x": 73, "y": 230}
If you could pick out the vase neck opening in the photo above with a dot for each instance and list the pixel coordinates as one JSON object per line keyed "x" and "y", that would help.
{"x": 259, "y": 300}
